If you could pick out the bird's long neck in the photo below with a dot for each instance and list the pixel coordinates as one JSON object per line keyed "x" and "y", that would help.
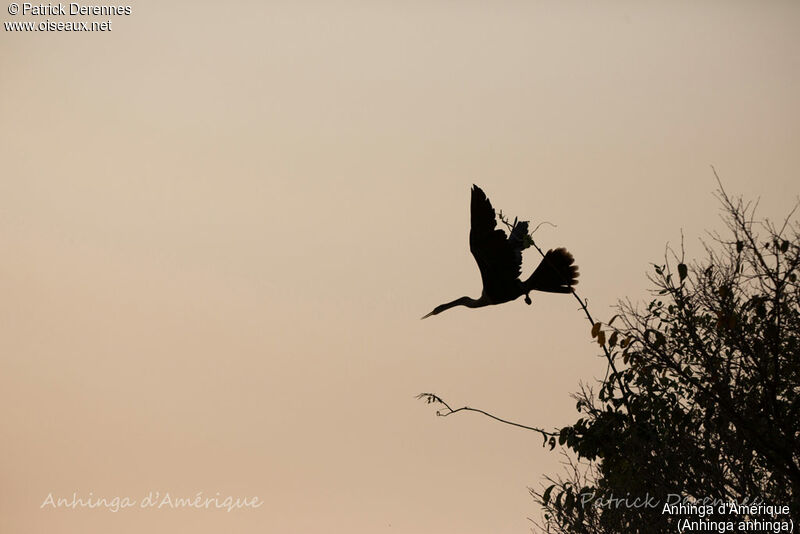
{"x": 463, "y": 301}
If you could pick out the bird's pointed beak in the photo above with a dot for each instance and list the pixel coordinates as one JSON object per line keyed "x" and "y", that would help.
{"x": 426, "y": 315}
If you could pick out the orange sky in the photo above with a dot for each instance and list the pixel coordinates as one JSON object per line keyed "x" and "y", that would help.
{"x": 220, "y": 224}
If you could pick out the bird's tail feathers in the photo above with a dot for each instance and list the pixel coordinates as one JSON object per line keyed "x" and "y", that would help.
{"x": 557, "y": 273}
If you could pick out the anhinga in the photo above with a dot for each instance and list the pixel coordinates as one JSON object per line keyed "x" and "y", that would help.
{"x": 499, "y": 259}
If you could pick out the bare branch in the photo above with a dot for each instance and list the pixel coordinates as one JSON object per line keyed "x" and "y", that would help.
{"x": 431, "y": 398}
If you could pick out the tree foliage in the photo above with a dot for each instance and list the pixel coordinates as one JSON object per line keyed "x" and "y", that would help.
{"x": 704, "y": 399}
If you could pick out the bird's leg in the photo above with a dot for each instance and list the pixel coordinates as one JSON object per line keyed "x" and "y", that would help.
{"x": 527, "y": 299}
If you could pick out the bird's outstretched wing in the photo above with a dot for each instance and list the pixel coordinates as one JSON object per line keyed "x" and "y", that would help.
{"x": 499, "y": 257}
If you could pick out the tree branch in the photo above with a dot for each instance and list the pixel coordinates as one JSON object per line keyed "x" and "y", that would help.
{"x": 430, "y": 398}
{"x": 624, "y": 389}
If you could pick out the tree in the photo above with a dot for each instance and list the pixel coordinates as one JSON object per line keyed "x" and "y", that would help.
{"x": 705, "y": 408}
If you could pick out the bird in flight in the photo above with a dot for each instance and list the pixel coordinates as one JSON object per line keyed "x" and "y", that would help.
{"x": 499, "y": 258}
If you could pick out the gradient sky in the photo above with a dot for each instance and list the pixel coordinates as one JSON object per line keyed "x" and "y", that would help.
{"x": 221, "y": 222}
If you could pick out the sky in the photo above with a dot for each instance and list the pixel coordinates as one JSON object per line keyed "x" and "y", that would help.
{"x": 221, "y": 223}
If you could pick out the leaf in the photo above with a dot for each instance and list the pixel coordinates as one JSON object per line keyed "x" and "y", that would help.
{"x": 784, "y": 246}
{"x": 612, "y": 341}
{"x": 739, "y": 246}
{"x": 596, "y": 329}
{"x": 654, "y": 337}
{"x": 569, "y": 502}
{"x": 612, "y": 320}
{"x": 682, "y": 271}
{"x": 601, "y": 338}
{"x": 527, "y": 241}
{"x": 546, "y": 494}
{"x": 660, "y": 340}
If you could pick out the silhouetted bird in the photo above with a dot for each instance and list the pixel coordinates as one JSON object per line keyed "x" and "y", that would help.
{"x": 499, "y": 259}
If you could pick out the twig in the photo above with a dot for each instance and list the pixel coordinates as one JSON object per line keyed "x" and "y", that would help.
{"x": 624, "y": 389}
{"x": 430, "y": 398}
